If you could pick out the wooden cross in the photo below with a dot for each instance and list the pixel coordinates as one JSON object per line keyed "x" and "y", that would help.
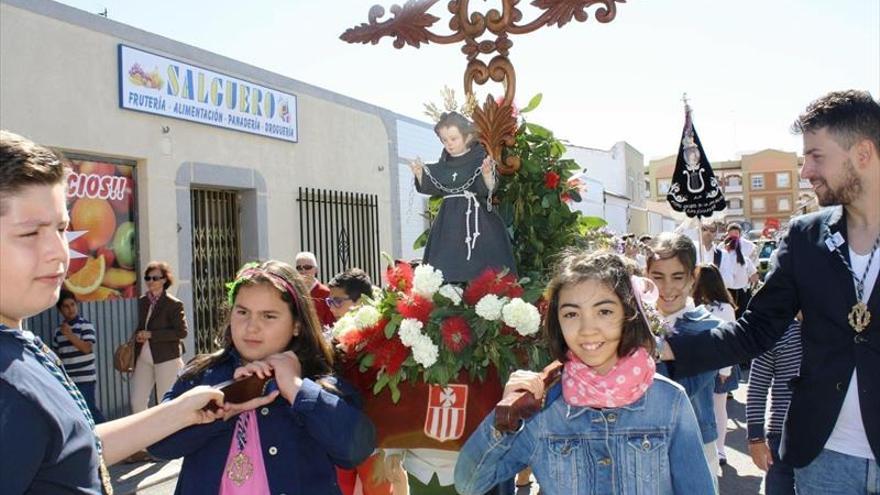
{"x": 411, "y": 23}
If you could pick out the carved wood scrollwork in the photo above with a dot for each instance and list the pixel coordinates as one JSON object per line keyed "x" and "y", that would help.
{"x": 411, "y": 24}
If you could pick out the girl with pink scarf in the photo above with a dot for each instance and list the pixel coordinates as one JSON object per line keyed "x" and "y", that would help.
{"x": 611, "y": 425}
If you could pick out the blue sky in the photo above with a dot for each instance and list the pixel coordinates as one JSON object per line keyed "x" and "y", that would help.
{"x": 748, "y": 68}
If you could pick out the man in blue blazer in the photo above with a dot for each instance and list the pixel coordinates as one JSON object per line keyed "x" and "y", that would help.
{"x": 827, "y": 267}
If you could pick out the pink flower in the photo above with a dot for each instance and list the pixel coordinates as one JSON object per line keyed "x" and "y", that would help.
{"x": 514, "y": 111}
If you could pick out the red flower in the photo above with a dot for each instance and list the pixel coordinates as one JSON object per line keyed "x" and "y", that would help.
{"x": 543, "y": 306}
{"x": 456, "y": 333}
{"x": 508, "y": 330}
{"x": 565, "y": 197}
{"x": 400, "y": 276}
{"x": 388, "y": 354}
{"x": 415, "y": 306}
{"x": 551, "y": 180}
{"x": 350, "y": 341}
{"x": 490, "y": 282}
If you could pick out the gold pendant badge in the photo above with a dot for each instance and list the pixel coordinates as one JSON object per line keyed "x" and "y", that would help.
{"x": 240, "y": 469}
{"x": 859, "y": 317}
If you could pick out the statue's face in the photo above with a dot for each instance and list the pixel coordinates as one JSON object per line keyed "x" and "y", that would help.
{"x": 453, "y": 141}
{"x": 692, "y": 156}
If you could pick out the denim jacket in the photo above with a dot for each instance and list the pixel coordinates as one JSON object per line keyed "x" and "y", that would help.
{"x": 301, "y": 443}
{"x": 651, "y": 446}
{"x": 699, "y": 387}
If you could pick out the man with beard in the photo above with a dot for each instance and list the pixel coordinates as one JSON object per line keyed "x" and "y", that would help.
{"x": 826, "y": 266}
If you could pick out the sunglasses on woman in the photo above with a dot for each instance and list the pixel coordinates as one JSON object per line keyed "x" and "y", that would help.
{"x": 336, "y": 302}
{"x": 151, "y": 278}
{"x": 304, "y": 268}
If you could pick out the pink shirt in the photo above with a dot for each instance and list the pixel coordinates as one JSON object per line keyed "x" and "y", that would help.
{"x": 256, "y": 482}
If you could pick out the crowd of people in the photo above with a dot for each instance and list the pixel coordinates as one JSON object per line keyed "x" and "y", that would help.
{"x": 636, "y": 410}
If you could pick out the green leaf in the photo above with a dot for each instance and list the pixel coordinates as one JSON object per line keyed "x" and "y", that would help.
{"x": 538, "y": 131}
{"x": 392, "y": 325}
{"x": 395, "y": 393}
{"x": 533, "y": 103}
{"x": 590, "y": 223}
{"x": 422, "y": 240}
{"x": 545, "y": 203}
{"x": 368, "y": 360}
{"x": 380, "y": 383}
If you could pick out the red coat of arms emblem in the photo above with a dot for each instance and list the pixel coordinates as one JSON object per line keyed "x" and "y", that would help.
{"x": 447, "y": 410}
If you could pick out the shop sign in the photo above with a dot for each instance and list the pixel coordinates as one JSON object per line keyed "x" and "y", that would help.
{"x": 103, "y": 231}
{"x": 163, "y": 86}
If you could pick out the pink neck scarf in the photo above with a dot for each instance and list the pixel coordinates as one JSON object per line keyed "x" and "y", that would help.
{"x": 627, "y": 381}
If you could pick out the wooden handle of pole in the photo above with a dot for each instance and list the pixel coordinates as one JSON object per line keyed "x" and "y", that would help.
{"x": 520, "y": 406}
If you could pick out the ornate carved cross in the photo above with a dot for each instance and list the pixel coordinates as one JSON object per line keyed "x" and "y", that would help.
{"x": 411, "y": 23}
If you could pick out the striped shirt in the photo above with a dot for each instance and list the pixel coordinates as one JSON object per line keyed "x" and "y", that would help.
{"x": 79, "y": 365}
{"x": 773, "y": 370}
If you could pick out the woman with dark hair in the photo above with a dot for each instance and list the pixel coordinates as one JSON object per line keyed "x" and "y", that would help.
{"x": 313, "y": 422}
{"x": 710, "y": 292}
{"x": 160, "y": 330}
{"x": 738, "y": 272}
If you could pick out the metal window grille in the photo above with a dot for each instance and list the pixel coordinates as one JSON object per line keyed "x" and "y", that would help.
{"x": 342, "y": 229}
{"x": 216, "y": 258}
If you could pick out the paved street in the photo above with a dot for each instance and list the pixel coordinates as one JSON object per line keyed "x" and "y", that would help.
{"x": 741, "y": 477}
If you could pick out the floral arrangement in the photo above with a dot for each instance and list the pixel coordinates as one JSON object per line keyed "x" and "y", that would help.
{"x": 420, "y": 328}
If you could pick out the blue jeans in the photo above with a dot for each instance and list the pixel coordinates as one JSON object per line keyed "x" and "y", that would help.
{"x": 833, "y": 473}
{"x": 87, "y": 389}
{"x": 780, "y": 476}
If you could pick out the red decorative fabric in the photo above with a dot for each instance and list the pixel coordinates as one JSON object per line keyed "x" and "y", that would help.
{"x": 402, "y": 425}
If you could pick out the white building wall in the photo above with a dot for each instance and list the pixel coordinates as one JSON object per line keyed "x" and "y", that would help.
{"x": 655, "y": 223}
{"x": 592, "y": 202}
{"x": 413, "y": 141}
{"x": 616, "y": 214}
{"x": 607, "y": 167}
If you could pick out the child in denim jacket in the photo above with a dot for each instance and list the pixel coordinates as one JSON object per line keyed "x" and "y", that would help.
{"x": 618, "y": 427}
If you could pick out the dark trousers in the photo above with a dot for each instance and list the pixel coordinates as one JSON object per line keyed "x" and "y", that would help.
{"x": 741, "y": 297}
{"x": 87, "y": 389}
{"x": 780, "y": 477}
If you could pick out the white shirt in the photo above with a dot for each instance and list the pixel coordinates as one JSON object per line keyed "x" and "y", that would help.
{"x": 724, "y": 312}
{"x": 848, "y": 436}
{"x": 707, "y": 255}
{"x": 736, "y": 276}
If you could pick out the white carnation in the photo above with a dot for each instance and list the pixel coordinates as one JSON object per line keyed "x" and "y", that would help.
{"x": 410, "y": 331}
{"x": 424, "y": 351}
{"x": 367, "y": 316}
{"x": 344, "y": 325}
{"x": 522, "y": 316}
{"x": 426, "y": 280}
{"x": 452, "y": 293}
{"x": 489, "y": 307}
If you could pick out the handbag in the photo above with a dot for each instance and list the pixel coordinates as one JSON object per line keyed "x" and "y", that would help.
{"x": 123, "y": 356}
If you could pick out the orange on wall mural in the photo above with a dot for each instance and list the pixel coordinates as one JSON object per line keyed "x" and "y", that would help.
{"x": 103, "y": 232}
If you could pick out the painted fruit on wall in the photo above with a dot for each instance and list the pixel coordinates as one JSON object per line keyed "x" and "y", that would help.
{"x": 103, "y": 231}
